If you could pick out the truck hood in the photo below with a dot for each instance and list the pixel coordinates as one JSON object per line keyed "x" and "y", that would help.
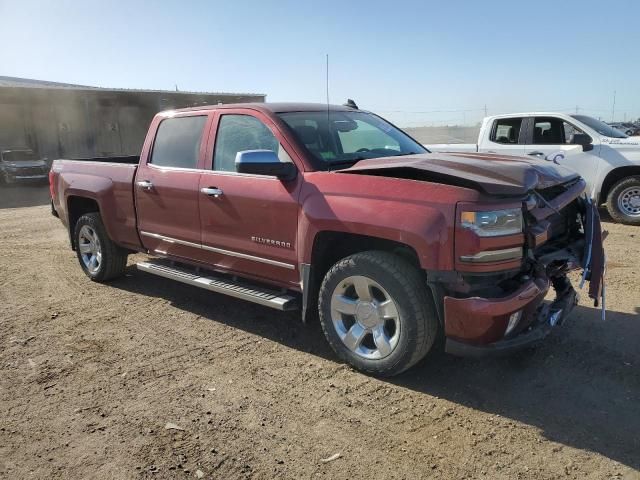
{"x": 492, "y": 174}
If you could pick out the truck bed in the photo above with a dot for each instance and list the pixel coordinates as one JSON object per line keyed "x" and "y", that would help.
{"x": 106, "y": 180}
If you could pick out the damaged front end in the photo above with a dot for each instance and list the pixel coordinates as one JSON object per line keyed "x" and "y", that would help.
{"x": 499, "y": 306}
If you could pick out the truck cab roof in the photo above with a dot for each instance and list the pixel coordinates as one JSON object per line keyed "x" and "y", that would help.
{"x": 275, "y": 107}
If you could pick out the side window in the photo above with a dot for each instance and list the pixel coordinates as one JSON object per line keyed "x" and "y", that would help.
{"x": 237, "y": 133}
{"x": 549, "y": 131}
{"x": 569, "y": 132}
{"x": 177, "y": 142}
{"x": 506, "y": 130}
{"x": 365, "y": 137}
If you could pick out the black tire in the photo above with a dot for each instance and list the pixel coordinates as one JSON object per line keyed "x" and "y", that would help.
{"x": 113, "y": 258}
{"x": 613, "y": 207}
{"x": 405, "y": 284}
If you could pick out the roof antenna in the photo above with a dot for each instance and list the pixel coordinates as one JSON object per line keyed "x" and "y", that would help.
{"x": 327, "y": 81}
{"x": 327, "y": 88}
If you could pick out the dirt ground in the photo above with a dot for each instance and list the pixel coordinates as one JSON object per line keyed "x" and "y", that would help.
{"x": 147, "y": 378}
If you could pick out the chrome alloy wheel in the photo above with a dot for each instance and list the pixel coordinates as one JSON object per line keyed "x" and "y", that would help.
{"x": 629, "y": 201}
{"x": 365, "y": 317}
{"x": 90, "y": 249}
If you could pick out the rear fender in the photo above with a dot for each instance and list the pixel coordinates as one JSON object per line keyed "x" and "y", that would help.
{"x": 116, "y": 209}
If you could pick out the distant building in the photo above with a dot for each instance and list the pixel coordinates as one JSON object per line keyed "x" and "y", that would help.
{"x": 65, "y": 120}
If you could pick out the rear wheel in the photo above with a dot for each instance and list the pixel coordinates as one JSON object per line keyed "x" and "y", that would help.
{"x": 377, "y": 313}
{"x": 623, "y": 201}
{"x": 100, "y": 258}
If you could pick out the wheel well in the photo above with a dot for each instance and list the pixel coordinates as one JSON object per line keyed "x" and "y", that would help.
{"x": 329, "y": 247}
{"x": 613, "y": 177}
{"x": 76, "y": 207}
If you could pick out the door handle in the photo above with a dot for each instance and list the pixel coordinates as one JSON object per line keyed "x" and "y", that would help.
{"x": 212, "y": 191}
{"x": 536, "y": 153}
{"x": 145, "y": 184}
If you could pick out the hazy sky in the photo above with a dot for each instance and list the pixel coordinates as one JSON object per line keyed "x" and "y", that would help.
{"x": 415, "y": 62}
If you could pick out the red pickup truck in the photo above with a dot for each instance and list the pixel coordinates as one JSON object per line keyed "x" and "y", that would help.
{"x": 336, "y": 211}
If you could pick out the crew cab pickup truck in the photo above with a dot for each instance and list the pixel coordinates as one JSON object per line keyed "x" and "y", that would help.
{"x": 336, "y": 212}
{"x": 605, "y": 157}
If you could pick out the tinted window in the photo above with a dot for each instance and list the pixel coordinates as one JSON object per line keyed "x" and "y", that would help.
{"x": 347, "y": 137}
{"x": 237, "y": 133}
{"x": 506, "y": 130}
{"x": 178, "y": 141}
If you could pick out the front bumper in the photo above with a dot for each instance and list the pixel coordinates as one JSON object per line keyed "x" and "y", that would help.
{"x": 537, "y": 321}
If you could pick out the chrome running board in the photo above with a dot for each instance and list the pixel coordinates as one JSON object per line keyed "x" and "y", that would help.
{"x": 226, "y": 286}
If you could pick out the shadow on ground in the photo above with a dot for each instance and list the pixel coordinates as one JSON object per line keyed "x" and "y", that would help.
{"x": 581, "y": 388}
{"x": 17, "y": 196}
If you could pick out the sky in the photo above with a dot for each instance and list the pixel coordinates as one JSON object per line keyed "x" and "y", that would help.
{"x": 414, "y": 62}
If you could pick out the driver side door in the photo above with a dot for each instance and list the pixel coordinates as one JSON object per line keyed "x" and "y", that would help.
{"x": 554, "y": 136}
{"x": 249, "y": 224}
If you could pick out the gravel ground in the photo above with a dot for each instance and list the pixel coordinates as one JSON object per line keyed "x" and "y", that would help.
{"x": 147, "y": 378}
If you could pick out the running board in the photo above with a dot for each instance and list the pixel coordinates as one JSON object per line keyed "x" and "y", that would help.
{"x": 226, "y": 286}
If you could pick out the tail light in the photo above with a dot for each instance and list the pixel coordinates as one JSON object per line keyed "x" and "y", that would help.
{"x": 52, "y": 187}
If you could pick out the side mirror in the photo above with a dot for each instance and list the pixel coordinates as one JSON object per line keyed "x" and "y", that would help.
{"x": 584, "y": 140}
{"x": 264, "y": 162}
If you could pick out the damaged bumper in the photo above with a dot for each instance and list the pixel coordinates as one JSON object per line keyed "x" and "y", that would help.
{"x": 524, "y": 311}
{"x": 519, "y": 316}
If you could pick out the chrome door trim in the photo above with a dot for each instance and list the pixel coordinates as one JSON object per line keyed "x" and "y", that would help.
{"x": 222, "y": 251}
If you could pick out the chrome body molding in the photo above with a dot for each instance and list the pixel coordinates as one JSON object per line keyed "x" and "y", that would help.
{"x": 221, "y": 251}
{"x": 494, "y": 255}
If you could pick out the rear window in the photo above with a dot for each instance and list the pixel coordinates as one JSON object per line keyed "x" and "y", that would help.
{"x": 178, "y": 141}
{"x": 506, "y": 130}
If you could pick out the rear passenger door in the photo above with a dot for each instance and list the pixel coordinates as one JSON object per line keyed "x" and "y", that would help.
{"x": 505, "y": 136}
{"x": 250, "y": 226}
{"x": 166, "y": 186}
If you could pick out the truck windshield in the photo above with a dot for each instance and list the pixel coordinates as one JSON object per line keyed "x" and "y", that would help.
{"x": 345, "y": 137}
{"x": 599, "y": 126}
{"x": 18, "y": 155}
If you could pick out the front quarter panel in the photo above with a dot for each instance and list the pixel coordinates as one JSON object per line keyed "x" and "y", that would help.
{"x": 418, "y": 214}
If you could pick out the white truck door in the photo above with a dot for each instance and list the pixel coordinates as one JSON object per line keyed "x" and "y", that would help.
{"x": 550, "y": 135}
{"x": 503, "y": 136}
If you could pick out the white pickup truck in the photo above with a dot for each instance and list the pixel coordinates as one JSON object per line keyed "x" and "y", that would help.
{"x": 606, "y": 158}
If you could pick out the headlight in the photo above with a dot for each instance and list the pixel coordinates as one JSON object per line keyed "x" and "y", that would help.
{"x": 493, "y": 223}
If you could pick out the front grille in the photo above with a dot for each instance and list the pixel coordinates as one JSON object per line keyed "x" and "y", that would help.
{"x": 30, "y": 171}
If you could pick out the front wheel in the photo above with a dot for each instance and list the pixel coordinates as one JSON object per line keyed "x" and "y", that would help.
{"x": 623, "y": 201}
{"x": 100, "y": 258}
{"x": 377, "y": 313}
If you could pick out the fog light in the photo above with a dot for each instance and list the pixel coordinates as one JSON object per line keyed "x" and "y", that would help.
{"x": 513, "y": 321}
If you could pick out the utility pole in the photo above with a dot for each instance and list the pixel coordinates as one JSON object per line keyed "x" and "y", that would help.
{"x": 577, "y": 109}
{"x": 485, "y": 109}
{"x": 613, "y": 108}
